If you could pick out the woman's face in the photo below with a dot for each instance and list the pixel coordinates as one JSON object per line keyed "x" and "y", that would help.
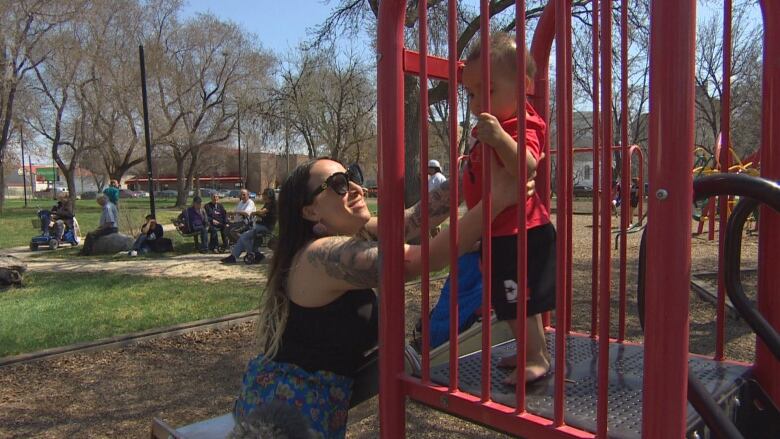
{"x": 341, "y": 214}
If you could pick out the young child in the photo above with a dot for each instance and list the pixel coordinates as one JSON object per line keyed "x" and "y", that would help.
{"x": 498, "y": 130}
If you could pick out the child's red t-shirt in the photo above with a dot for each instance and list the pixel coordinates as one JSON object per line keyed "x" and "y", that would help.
{"x": 506, "y": 223}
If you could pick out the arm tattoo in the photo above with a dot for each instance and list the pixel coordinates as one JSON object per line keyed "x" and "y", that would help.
{"x": 353, "y": 260}
{"x": 438, "y": 210}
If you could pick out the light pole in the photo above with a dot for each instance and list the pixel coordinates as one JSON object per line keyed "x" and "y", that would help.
{"x": 24, "y": 173}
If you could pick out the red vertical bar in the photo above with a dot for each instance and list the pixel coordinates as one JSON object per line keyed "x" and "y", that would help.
{"x": 569, "y": 177}
{"x": 452, "y": 45}
{"x": 562, "y": 92}
{"x": 522, "y": 235}
{"x": 484, "y": 22}
{"x": 541, "y": 47}
{"x": 390, "y": 104}
{"x": 425, "y": 223}
{"x": 594, "y": 275}
{"x": 671, "y": 136}
{"x": 605, "y": 266}
{"x": 767, "y": 368}
{"x": 725, "y": 155}
{"x": 625, "y": 215}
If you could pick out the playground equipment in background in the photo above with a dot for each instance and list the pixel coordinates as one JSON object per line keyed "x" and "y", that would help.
{"x": 707, "y": 163}
{"x": 602, "y": 386}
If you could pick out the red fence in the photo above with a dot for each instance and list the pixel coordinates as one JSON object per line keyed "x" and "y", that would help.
{"x": 672, "y": 55}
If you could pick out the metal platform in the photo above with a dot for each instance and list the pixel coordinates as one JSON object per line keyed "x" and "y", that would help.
{"x": 625, "y": 384}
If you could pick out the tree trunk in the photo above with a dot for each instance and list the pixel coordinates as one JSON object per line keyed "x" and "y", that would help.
{"x": 70, "y": 180}
{"x": 181, "y": 189}
{"x": 2, "y": 186}
{"x": 411, "y": 140}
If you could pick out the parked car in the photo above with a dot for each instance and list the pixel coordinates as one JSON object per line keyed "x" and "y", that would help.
{"x": 252, "y": 195}
{"x": 89, "y": 195}
{"x": 127, "y": 193}
{"x": 168, "y": 193}
{"x": 581, "y": 190}
{"x": 207, "y": 192}
{"x": 234, "y": 193}
{"x": 142, "y": 194}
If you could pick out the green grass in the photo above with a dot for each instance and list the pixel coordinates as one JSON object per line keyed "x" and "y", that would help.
{"x": 58, "y": 309}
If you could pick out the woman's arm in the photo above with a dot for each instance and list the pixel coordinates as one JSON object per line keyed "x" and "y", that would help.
{"x": 343, "y": 263}
{"x": 438, "y": 211}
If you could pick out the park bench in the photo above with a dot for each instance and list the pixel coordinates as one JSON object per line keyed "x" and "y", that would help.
{"x": 182, "y": 228}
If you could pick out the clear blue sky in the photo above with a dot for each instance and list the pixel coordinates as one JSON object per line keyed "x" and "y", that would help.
{"x": 279, "y": 24}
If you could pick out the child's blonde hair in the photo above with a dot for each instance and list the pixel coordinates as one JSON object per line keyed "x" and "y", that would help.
{"x": 503, "y": 52}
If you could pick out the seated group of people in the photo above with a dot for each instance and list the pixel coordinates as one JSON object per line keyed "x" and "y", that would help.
{"x": 60, "y": 216}
{"x": 212, "y": 220}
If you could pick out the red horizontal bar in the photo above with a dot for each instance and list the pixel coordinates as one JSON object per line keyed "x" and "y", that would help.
{"x": 437, "y": 67}
{"x": 492, "y": 414}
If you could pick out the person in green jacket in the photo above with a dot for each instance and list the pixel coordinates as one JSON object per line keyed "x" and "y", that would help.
{"x": 112, "y": 192}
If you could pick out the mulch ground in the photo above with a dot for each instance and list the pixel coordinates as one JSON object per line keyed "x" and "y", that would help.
{"x": 115, "y": 393}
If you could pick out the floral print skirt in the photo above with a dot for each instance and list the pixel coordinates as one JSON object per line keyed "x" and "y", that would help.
{"x": 321, "y": 397}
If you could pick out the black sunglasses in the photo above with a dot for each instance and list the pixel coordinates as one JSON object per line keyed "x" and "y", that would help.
{"x": 339, "y": 182}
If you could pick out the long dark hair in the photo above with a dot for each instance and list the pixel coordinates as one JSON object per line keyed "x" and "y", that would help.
{"x": 294, "y": 233}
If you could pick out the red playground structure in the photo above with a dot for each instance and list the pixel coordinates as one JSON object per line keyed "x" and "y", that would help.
{"x": 602, "y": 386}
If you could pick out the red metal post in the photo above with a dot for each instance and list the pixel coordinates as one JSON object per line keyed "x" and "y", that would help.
{"x": 487, "y": 260}
{"x": 569, "y": 178}
{"x": 540, "y": 50}
{"x": 767, "y": 368}
{"x": 563, "y": 104}
{"x": 725, "y": 148}
{"x": 452, "y": 44}
{"x": 522, "y": 235}
{"x": 594, "y": 287}
{"x": 425, "y": 223}
{"x": 671, "y": 136}
{"x": 390, "y": 104}
{"x": 605, "y": 266}
{"x": 625, "y": 214}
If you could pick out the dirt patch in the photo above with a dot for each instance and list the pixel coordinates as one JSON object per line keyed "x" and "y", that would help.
{"x": 195, "y": 376}
{"x": 204, "y": 266}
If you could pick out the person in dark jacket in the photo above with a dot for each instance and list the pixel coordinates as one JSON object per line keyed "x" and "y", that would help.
{"x": 197, "y": 222}
{"x": 218, "y": 221}
{"x": 150, "y": 238}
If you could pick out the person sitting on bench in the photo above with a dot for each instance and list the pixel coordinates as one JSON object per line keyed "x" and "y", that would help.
{"x": 318, "y": 314}
{"x": 218, "y": 222}
{"x": 241, "y": 220}
{"x": 195, "y": 222}
{"x": 108, "y": 224}
{"x": 264, "y": 224}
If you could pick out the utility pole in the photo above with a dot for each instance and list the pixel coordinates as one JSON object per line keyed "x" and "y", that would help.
{"x": 24, "y": 173}
{"x": 147, "y": 135}
{"x": 238, "y": 115}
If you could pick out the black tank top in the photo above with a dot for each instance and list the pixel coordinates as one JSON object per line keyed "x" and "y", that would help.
{"x": 331, "y": 337}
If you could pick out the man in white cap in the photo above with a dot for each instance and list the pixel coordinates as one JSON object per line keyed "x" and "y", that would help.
{"x": 435, "y": 177}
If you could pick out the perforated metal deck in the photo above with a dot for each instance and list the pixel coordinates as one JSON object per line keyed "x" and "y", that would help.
{"x": 625, "y": 384}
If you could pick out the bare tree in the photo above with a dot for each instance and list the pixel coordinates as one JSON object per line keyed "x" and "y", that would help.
{"x": 23, "y": 26}
{"x": 61, "y": 118}
{"x": 329, "y": 101}
{"x": 745, "y": 79}
{"x": 199, "y": 68}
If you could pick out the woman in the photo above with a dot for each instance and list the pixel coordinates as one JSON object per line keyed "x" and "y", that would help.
{"x": 319, "y": 314}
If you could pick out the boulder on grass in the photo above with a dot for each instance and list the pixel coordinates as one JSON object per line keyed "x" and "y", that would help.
{"x": 11, "y": 270}
{"x": 112, "y": 244}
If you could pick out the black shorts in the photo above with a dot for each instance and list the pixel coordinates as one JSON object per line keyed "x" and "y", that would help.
{"x": 541, "y": 273}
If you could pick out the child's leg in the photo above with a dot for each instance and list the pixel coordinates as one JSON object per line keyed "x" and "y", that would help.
{"x": 537, "y": 357}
